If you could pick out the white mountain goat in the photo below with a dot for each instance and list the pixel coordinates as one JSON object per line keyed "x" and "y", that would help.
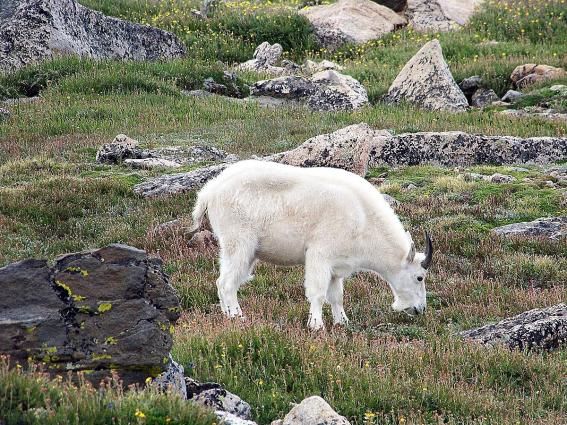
{"x": 333, "y": 221}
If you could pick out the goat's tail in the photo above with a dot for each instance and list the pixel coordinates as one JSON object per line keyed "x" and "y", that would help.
{"x": 199, "y": 212}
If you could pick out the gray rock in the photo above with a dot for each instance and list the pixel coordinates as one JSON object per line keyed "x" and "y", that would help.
{"x": 351, "y": 21}
{"x": 552, "y": 228}
{"x": 121, "y": 148}
{"x": 230, "y": 419}
{"x": 172, "y": 379}
{"x": 439, "y": 15}
{"x": 470, "y": 85}
{"x": 324, "y": 91}
{"x": 36, "y": 30}
{"x": 177, "y": 183}
{"x": 512, "y": 96}
{"x": 314, "y": 411}
{"x": 349, "y": 148}
{"x": 95, "y": 311}
{"x": 545, "y": 114}
{"x": 150, "y": 163}
{"x": 494, "y": 178}
{"x": 4, "y": 114}
{"x": 311, "y": 67}
{"x": 426, "y": 82}
{"x": 483, "y": 97}
{"x": 21, "y": 100}
{"x": 454, "y": 148}
{"x": 393, "y": 202}
{"x": 543, "y": 329}
{"x": 212, "y": 395}
{"x": 196, "y": 93}
{"x": 265, "y": 59}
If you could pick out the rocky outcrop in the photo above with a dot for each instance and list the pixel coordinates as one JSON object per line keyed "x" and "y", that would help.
{"x": 351, "y": 21}
{"x": 36, "y": 30}
{"x": 426, "y": 82}
{"x": 96, "y": 311}
{"x": 544, "y": 329}
{"x": 349, "y": 148}
{"x": 324, "y": 91}
{"x": 439, "y": 15}
{"x": 314, "y": 411}
{"x": 126, "y": 150}
{"x": 552, "y": 228}
{"x": 528, "y": 74}
{"x": 455, "y": 148}
{"x": 265, "y": 59}
{"x": 170, "y": 184}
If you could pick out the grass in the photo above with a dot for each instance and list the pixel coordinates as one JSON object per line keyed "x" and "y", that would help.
{"x": 384, "y": 368}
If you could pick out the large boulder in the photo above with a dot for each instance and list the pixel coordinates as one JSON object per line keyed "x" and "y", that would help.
{"x": 99, "y": 311}
{"x": 324, "y": 91}
{"x": 530, "y": 73}
{"x": 36, "y": 30}
{"x": 455, "y": 148}
{"x": 426, "y": 82}
{"x": 314, "y": 411}
{"x": 349, "y": 148}
{"x": 552, "y": 228}
{"x": 351, "y": 21}
{"x": 440, "y": 15}
{"x": 544, "y": 329}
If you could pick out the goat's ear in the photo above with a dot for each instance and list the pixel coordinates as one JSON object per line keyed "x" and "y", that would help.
{"x": 411, "y": 253}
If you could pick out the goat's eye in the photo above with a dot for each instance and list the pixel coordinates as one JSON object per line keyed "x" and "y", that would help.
{"x": 419, "y": 278}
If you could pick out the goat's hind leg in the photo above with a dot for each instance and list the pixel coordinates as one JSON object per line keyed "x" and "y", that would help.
{"x": 317, "y": 278}
{"x": 235, "y": 263}
{"x": 335, "y": 298}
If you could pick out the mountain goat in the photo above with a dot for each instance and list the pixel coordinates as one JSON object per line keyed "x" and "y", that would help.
{"x": 332, "y": 221}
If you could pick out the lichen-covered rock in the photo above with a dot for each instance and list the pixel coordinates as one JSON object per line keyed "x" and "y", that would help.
{"x": 530, "y": 73}
{"x": 121, "y": 148}
{"x": 314, "y": 411}
{"x": 426, "y": 82}
{"x": 439, "y": 15}
{"x": 36, "y": 30}
{"x": 351, "y": 21}
{"x": 544, "y": 329}
{"x": 324, "y": 91}
{"x": 552, "y": 228}
{"x": 176, "y": 183}
{"x": 265, "y": 59}
{"x": 97, "y": 311}
{"x": 511, "y": 96}
{"x": 149, "y": 163}
{"x": 214, "y": 396}
{"x": 230, "y": 419}
{"x": 455, "y": 148}
{"x": 483, "y": 97}
{"x": 349, "y": 148}
{"x": 311, "y": 67}
{"x": 471, "y": 84}
{"x": 172, "y": 379}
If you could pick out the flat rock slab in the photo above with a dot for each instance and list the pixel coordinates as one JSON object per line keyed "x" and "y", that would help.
{"x": 426, "y": 82}
{"x": 94, "y": 311}
{"x": 544, "y": 329}
{"x": 552, "y": 228}
{"x": 455, "y": 148}
{"x": 36, "y": 30}
{"x": 351, "y": 21}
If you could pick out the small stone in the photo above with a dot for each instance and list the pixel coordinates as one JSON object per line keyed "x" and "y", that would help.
{"x": 512, "y": 96}
{"x": 411, "y": 186}
{"x": 230, "y": 419}
{"x": 501, "y": 178}
{"x": 483, "y": 97}
{"x": 393, "y": 202}
{"x": 172, "y": 379}
{"x": 552, "y": 228}
{"x": 4, "y": 114}
{"x": 470, "y": 85}
{"x": 121, "y": 148}
{"x": 212, "y": 395}
{"x": 314, "y": 411}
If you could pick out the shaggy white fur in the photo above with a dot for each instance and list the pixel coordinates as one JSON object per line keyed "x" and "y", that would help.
{"x": 333, "y": 221}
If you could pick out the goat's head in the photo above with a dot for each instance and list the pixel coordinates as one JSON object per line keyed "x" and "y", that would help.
{"x": 408, "y": 283}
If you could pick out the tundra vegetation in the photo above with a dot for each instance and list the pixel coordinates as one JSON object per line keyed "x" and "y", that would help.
{"x": 384, "y": 367}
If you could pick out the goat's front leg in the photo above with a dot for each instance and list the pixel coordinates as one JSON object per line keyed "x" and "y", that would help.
{"x": 317, "y": 278}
